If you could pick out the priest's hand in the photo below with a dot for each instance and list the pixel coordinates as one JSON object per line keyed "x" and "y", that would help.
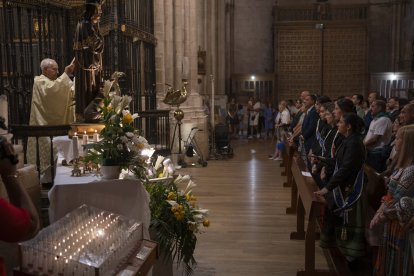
{"x": 70, "y": 68}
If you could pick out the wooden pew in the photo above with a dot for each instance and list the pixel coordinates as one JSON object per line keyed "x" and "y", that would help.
{"x": 291, "y": 181}
{"x": 308, "y": 204}
{"x": 287, "y": 160}
{"x": 375, "y": 188}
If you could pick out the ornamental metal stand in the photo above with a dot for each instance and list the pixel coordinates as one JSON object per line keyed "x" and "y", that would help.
{"x": 213, "y": 150}
{"x": 175, "y": 98}
{"x": 178, "y": 115}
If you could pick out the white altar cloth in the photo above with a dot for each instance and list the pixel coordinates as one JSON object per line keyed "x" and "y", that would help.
{"x": 126, "y": 197}
{"x": 64, "y": 146}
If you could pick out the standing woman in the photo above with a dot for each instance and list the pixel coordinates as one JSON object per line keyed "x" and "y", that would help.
{"x": 269, "y": 117}
{"x": 344, "y": 225}
{"x": 329, "y": 138}
{"x": 394, "y": 256}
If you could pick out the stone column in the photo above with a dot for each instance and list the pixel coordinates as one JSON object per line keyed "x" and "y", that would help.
{"x": 176, "y": 25}
{"x": 160, "y": 64}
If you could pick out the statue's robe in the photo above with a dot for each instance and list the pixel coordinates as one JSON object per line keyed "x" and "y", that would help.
{"x": 88, "y": 47}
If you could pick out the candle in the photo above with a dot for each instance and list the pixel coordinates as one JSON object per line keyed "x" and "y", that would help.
{"x": 75, "y": 146}
{"x": 96, "y": 136}
{"x": 85, "y": 138}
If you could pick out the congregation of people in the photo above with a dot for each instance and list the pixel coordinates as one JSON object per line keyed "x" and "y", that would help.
{"x": 338, "y": 140}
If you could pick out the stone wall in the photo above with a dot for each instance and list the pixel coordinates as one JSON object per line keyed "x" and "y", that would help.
{"x": 390, "y": 34}
{"x": 253, "y": 38}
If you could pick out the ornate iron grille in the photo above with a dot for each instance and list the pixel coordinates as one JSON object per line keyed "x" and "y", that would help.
{"x": 33, "y": 30}
{"x": 30, "y": 32}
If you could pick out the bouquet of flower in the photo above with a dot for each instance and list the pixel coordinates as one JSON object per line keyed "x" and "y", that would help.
{"x": 121, "y": 143}
{"x": 176, "y": 219}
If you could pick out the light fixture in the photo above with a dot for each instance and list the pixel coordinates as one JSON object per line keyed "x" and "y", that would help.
{"x": 253, "y": 77}
{"x": 319, "y": 26}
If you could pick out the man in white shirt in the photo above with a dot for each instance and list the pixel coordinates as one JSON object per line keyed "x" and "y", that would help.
{"x": 254, "y": 118}
{"x": 378, "y": 135}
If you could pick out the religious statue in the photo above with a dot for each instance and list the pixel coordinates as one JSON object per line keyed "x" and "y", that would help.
{"x": 88, "y": 48}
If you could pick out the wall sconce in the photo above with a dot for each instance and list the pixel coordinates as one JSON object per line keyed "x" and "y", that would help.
{"x": 319, "y": 26}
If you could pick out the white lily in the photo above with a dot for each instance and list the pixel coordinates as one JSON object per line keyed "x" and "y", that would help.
{"x": 129, "y": 134}
{"x": 190, "y": 186}
{"x": 107, "y": 88}
{"x": 198, "y": 217}
{"x": 125, "y": 102}
{"x": 126, "y": 111}
{"x": 116, "y": 104}
{"x": 113, "y": 118}
{"x": 182, "y": 180}
{"x": 202, "y": 211}
{"x": 172, "y": 202}
{"x": 160, "y": 158}
{"x": 142, "y": 140}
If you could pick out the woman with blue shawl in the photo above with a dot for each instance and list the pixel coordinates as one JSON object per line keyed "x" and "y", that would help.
{"x": 344, "y": 222}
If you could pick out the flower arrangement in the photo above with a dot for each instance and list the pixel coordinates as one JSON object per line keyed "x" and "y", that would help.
{"x": 176, "y": 219}
{"x": 121, "y": 143}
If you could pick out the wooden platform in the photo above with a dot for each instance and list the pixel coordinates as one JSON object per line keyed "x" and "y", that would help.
{"x": 249, "y": 232}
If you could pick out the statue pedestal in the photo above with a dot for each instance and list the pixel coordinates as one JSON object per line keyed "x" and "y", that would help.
{"x": 90, "y": 129}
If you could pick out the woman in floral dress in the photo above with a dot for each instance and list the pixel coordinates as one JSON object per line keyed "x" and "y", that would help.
{"x": 394, "y": 256}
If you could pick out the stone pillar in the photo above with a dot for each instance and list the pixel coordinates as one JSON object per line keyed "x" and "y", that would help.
{"x": 176, "y": 25}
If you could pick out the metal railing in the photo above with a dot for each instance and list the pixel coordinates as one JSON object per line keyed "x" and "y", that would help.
{"x": 155, "y": 127}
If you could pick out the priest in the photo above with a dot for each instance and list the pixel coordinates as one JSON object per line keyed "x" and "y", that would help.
{"x": 52, "y": 104}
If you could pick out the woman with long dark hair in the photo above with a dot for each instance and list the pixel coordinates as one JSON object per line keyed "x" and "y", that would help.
{"x": 344, "y": 222}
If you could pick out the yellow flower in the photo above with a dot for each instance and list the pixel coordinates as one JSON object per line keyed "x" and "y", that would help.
{"x": 110, "y": 108}
{"x": 127, "y": 118}
{"x": 188, "y": 197}
{"x": 171, "y": 196}
{"x": 206, "y": 223}
{"x": 179, "y": 215}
